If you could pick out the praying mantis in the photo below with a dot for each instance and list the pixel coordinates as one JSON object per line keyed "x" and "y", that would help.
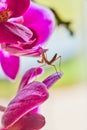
{"x": 44, "y": 59}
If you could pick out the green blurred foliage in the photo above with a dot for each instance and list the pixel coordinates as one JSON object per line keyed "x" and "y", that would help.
{"x": 68, "y": 9}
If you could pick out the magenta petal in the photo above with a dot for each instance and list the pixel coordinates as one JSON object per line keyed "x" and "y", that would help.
{"x": 10, "y": 33}
{"x": 49, "y": 81}
{"x": 7, "y": 36}
{"x": 29, "y": 76}
{"x": 41, "y": 20}
{"x": 17, "y": 7}
{"x": 33, "y": 121}
{"x": 19, "y": 30}
{"x": 10, "y": 65}
{"x": 18, "y": 50}
{"x": 33, "y": 51}
{"x": 26, "y": 100}
{"x": 30, "y": 121}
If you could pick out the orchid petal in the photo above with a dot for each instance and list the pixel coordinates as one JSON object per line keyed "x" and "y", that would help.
{"x": 11, "y": 48}
{"x": 14, "y": 33}
{"x": 29, "y": 76}
{"x": 19, "y": 30}
{"x": 17, "y": 7}
{"x": 7, "y": 36}
{"x": 30, "y": 121}
{"x": 34, "y": 52}
{"x": 40, "y": 20}
{"x": 50, "y": 80}
{"x": 10, "y": 65}
{"x": 26, "y": 100}
{"x": 18, "y": 50}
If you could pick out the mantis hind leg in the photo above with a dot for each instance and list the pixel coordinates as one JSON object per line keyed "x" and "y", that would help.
{"x": 55, "y": 68}
{"x": 59, "y": 57}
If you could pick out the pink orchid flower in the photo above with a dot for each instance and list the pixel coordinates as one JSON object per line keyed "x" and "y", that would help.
{"x": 22, "y": 112}
{"x": 24, "y": 28}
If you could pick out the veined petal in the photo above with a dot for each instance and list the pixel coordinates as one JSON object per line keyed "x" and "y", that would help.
{"x": 14, "y": 33}
{"x": 10, "y": 64}
{"x": 20, "y": 50}
{"x": 31, "y": 121}
{"x": 6, "y": 36}
{"x": 50, "y": 80}
{"x": 34, "y": 52}
{"x": 26, "y": 100}
{"x": 40, "y": 20}
{"x": 29, "y": 76}
{"x": 19, "y": 30}
{"x": 17, "y": 7}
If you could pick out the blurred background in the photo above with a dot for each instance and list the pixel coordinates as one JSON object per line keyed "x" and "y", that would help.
{"x": 66, "y": 107}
